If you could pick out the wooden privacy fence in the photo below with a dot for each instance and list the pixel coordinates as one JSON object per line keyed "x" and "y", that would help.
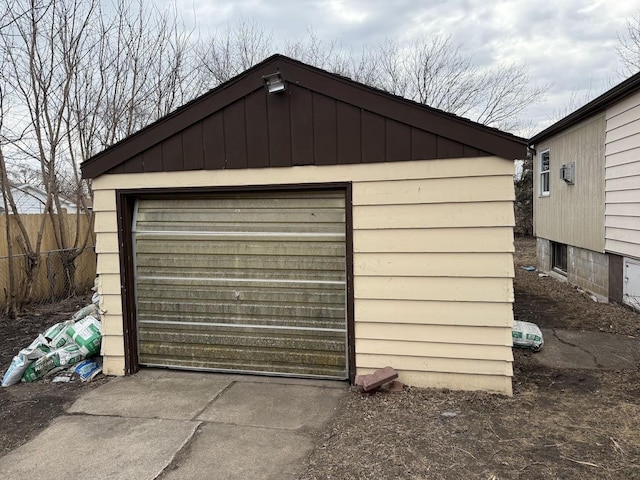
{"x": 52, "y": 279}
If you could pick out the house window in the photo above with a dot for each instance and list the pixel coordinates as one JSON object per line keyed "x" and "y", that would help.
{"x": 544, "y": 172}
{"x": 559, "y": 257}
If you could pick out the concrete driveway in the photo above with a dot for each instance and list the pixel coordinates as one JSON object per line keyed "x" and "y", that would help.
{"x": 180, "y": 425}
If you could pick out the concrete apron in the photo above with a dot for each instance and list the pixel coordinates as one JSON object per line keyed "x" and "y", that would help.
{"x": 590, "y": 350}
{"x": 175, "y": 425}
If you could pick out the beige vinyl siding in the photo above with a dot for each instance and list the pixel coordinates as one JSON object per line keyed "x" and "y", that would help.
{"x": 479, "y": 314}
{"x": 622, "y": 177}
{"x": 573, "y": 214}
{"x": 433, "y": 266}
{"x": 411, "y": 264}
{"x": 443, "y": 240}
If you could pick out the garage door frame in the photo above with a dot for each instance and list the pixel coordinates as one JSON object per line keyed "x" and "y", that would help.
{"x": 125, "y": 204}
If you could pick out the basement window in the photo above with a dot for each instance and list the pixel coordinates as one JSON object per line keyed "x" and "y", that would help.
{"x": 559, "y": 257}
{"x": 544, "y": 173}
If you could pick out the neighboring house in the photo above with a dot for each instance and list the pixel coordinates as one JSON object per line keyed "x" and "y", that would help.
{"x": 587, "y": 195}
{"x": 31, "y": 199}
{"x": 314, "y": 228}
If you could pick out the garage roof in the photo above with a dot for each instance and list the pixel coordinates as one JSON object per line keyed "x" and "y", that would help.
{"x": 321, "y": 119}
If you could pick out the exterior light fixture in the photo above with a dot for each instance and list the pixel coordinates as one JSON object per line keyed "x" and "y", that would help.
{"x": 274, "y": 83}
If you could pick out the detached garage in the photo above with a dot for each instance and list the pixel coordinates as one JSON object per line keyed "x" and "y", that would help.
{"x": 314, "y": 228}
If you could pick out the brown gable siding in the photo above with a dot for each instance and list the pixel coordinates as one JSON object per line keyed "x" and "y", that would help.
{"x": 254, "y": 133}
{"x": 321, "y": 119}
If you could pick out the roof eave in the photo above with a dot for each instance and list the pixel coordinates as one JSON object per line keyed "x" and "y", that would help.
{"x": 605, "y": 100}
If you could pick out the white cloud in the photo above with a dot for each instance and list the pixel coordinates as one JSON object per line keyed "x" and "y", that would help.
{"x": 569, "y": 43}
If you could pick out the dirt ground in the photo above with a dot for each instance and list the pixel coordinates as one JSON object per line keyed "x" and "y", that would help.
{"x": 27, "y": 408}
{"x": 551, "y": 303}
{"x": 568, "y": 424}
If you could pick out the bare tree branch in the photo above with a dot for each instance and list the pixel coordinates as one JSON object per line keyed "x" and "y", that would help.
{"x": 628, "y": 48}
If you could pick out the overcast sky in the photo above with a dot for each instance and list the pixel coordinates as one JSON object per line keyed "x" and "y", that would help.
{"x": 568, "y": 43}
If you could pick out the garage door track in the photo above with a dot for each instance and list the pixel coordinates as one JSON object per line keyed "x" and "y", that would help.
{"x": 177, "y": 425}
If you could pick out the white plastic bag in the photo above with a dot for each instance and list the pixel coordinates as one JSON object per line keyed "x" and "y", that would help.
{"x": 526, "y": 335}
{"x": 25, "y": 357}
{"x": 91, "y": 309}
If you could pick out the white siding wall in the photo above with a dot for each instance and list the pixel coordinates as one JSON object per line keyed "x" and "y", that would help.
{"x": 433, "y": 266}
{"x": 622, "y": 177}
{"x": 30, "y": 201}
{"x": 27, "y": 203}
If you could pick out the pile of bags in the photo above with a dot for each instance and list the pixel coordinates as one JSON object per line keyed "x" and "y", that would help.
{"x": 63, "y": 345}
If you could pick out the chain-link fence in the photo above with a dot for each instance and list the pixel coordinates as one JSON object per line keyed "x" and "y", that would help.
{"x": 54, "y": 275}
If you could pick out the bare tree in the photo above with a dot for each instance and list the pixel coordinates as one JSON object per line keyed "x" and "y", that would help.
{"x": 232, "y": 50}
{"x": 575, "y": 100}
{"x": 145, "y": 71}
{"x": 314, "y": 50}
{"x": 393, "y": 77}
{"x": 628, "y": 48}
{"x": 523, "y": 205}
{"x": 7, "y": 200}
{"x": 432, "y": 70}
{"x": 81, "y": 79}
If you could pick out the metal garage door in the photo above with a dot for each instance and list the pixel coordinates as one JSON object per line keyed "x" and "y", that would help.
{"x": 243, "y": 282}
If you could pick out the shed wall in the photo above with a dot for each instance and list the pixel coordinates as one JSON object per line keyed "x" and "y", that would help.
{"x": 622, "y": 178}
{"x": 573, "y": 214}
{"x": 433, "y": 266}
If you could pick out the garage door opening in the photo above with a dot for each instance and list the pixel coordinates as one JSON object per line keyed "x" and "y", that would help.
{"x": 243, "y": 282}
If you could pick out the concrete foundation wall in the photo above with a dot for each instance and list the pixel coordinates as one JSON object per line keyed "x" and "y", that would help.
{"x": 543, "y": 251}
{"x": 587, "y": 269}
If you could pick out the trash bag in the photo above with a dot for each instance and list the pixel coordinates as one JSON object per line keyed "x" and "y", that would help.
{"x": 88, "y": 369}
{"x": 56, "y": 336}
{"x": 60, "y": 346}
{"x": 86, "y": 333}
{"x": 526, "y": 335}
{"x": 25, "y": 357}
{"x": 91, "y": 309}
{"x": 53, "y": 362}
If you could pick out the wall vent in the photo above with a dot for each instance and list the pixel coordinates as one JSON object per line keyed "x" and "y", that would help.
{"x": 568, "y": 173}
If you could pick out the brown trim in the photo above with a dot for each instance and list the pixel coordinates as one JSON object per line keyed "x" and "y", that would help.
{"x": 124, "y": 208}
{"x": 616, "y": 277}
{"x": 230, "y": 97}
{"x": 207, "y": 191}
{"x": 351, "y": 334}
{"x": 125, "y": 203}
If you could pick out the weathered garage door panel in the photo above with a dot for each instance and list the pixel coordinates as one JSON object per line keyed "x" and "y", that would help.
{"x": 253, "y": 283}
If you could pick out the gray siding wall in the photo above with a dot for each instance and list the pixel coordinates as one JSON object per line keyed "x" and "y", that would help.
{"x": 573, "y": 214}
{"x": 622, "y": 180}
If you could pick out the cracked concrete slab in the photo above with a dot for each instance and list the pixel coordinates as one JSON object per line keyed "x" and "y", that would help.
{"x": 143, "y": 427}
{"x": 149, "y": 394}
{"x": 238, "y": 452}
{"x": 114, "y": 448}
{"x": 269, "y": 405}
{"x": 591, "y": 350}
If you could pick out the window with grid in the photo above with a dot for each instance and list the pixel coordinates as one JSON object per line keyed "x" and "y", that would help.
{"x": 544, "y": 173}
